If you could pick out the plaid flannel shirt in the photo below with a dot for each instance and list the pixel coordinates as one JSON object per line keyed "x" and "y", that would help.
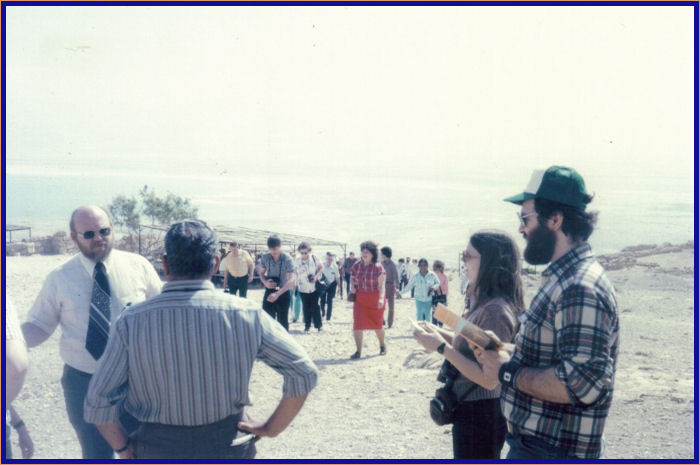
{"x": 571, "y": 325}
{"x": 367, "y": 276}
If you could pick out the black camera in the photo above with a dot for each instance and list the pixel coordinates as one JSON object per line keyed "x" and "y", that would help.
{"x": 448, "y": 373}
{"x": 310, "y": 277}
{"x": 444, "y": 404}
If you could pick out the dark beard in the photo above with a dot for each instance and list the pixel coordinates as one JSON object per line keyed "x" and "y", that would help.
{"x": 540, "y": 246}
{"x": 95, "y": 256}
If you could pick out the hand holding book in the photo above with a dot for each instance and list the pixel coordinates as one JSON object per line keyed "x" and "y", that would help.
{"x": 484, "y": 340}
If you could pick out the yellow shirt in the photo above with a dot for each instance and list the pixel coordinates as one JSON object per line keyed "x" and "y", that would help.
{"x": 238, "y": 266}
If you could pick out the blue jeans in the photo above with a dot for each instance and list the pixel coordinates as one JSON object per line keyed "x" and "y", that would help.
{"x": 423, "y": 310}
{"x": 529, "y": 447}
{"x": 297, "y": 304}
{"x": 75, "y": 385}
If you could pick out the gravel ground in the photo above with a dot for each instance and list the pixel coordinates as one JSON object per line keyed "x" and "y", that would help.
{"x": 377, "y": 407}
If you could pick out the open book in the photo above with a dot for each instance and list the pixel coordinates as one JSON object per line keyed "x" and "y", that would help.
{"x": 469, "y": 331}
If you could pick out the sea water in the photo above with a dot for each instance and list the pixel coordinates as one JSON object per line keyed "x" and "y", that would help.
{"x": 418, "y": 212}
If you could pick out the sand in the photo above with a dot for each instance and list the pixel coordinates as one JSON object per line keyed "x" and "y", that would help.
{"x": 377, "y": 407}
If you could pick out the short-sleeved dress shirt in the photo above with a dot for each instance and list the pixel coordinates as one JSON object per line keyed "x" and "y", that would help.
{"x": 64, "y": 299}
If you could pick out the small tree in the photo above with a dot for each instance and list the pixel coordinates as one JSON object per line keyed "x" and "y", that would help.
{"x": 165, "y": 210}
{"x": 126, "y": 212}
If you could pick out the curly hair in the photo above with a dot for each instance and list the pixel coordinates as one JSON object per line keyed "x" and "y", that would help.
{"x": 578, "y": 224}
{"x": 371, "y": 247}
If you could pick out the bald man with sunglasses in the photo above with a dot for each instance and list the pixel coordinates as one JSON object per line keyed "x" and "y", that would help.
{"x": 84, "y": 296}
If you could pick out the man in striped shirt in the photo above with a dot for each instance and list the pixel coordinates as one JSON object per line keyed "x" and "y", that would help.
{"x": 558, "y": 381}
{"x": 181, "y": 363}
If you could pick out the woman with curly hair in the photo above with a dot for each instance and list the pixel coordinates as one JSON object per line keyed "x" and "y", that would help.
{"x": 367, "y": 278}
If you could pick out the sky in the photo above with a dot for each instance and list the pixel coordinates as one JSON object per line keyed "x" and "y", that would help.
{"x": 338, "y": 89}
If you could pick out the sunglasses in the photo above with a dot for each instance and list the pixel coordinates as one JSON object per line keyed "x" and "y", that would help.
{"x": 104, "y": 232}
{"x": 522, "y": 217}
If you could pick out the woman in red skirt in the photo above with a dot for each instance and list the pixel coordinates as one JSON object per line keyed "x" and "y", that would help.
{"x": 367, "y": 282}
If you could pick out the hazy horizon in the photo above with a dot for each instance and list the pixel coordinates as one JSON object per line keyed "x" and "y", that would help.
{"x": 321, "y": 98}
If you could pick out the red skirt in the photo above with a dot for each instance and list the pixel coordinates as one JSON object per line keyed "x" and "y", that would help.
{"x": 366, "y": 314}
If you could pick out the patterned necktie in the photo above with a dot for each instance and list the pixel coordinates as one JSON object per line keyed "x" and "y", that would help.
{"x": 98, "y": 327}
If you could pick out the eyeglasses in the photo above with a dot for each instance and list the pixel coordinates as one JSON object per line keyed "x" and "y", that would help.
{"x": 522, "y": 217}
{"x": 104, "y": 232}
{"x": 304, "y": 253}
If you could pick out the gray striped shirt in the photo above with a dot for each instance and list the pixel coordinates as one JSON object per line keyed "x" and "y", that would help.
{"x": 185, "y": 358}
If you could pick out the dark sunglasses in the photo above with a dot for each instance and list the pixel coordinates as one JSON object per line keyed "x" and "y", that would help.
{"x": 104, "y": 232}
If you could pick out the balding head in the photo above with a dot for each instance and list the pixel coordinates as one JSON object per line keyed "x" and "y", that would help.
{"x": 97, "y": 224}
{"x": 88, "y": 211}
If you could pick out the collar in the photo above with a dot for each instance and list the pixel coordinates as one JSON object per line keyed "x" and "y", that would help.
{"x": 188, "y": 285}
{"x": 572, "y": 257}
{"x": 89, "y": 265}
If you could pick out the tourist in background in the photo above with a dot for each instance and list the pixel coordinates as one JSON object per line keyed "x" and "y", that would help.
{"x": 295, "y": 298}
{"x": 411, "y": 270}
{"x": 493, "y": 266}
{"x": 277, "y": 275}
{"x": 238, "y": 270}
{"x": 308, "y": 269}
{"x": 367, "y": 284}
{"x": 349, "y": 261}
{"x": 401, "y": 269}
{"x": 440, "y": 296}
{"x": 391, "y": 284}
{"x": 422, "y": 286}
{"x": 331, "y": 276}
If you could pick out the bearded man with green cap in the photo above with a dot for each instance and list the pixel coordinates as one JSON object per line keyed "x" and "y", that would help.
{"x": 558, "y": 377}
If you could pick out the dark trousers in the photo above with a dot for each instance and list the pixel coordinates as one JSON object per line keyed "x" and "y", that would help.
{"x": 75, "y": 386}
{"x": 237, "y": 284}
{"x": 347, "y": 281}
{"x": 311, "y": 309}
{"x": 479, "y": 430}
{"x": 327, "y": 300}
{"x": 213, "y": 441}
{"x": 390, "y": 293}
{"x": 279, "y": 309}
{"x": 438, "y": 299}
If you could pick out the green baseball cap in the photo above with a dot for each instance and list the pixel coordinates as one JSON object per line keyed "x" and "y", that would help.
{"x": 557, "y": 183}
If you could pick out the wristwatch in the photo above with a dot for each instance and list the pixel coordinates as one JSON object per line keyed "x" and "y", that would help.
{"x": 126, "y": 446}
{"x": 441, "y": 348}
{"x": 508, "y": 373}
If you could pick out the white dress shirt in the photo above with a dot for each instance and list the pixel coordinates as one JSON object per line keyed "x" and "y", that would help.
{"x": 64, "y": 299}
{"x": 331, "y": 272}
